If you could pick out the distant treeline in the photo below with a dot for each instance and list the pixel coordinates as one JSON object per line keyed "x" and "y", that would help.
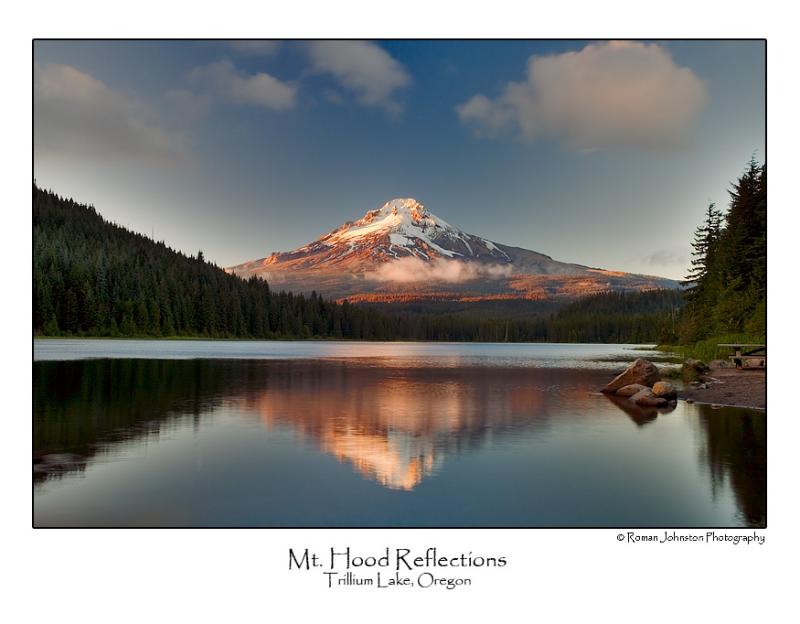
{"x": 95, "y": 278}
{"x": 650, "y": 316}
{"x": 727, "y": 285}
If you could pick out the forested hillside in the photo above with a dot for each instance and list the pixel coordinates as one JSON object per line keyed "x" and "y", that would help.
{"x": 95, "y": 278}
{"x": 92, "y": 277}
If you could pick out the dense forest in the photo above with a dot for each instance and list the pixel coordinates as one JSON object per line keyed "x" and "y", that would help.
{"x": 650, "y": 316}
{"x": 95, "y": 278}
{"x": 727, "y": 285}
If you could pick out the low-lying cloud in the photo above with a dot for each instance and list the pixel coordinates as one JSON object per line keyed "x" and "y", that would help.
{"x": 610, "y": 94}
{"x": 411, "y": 269}
{"x": 664, "y": 257}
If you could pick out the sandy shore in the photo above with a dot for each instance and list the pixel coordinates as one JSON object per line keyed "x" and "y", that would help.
{"x": 730, "y": 386}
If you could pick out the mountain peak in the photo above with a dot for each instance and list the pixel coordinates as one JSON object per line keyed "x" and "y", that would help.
{"x": 400, "y": 205}
{"x": 396, "y": 213}
{"x": 406, "y": 223}
{"x": 403, "y": 247}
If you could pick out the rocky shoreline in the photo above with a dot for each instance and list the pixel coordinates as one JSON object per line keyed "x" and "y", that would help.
{"x": 717, "y": 384}
{"x": 729, "y": 387}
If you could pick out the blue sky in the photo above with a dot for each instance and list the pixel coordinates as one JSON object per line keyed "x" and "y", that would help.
{"x": 593, "y": 152}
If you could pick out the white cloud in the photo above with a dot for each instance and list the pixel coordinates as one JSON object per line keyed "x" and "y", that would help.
{"x": 412, "y": 270}
{"x": 364, "y": 68}
{"x": 76, "y": 115}
{"x": 223, "y": 80}
{"x": 605, "y": 95}
{"x": 256, "y": 47}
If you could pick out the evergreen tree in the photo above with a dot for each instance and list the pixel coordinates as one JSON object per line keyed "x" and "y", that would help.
{"x": 704, "y": 247}
{"x": 701, "y": 280}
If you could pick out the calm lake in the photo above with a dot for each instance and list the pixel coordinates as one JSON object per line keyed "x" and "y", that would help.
{"x": 340, "y": 434}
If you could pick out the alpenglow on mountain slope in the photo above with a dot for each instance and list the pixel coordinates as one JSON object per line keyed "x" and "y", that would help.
{"x": 403, "y": 252}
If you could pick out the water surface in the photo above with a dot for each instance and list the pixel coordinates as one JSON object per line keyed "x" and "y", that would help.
{"x": 401, "y": 353}
{"x": 201, "y": 433}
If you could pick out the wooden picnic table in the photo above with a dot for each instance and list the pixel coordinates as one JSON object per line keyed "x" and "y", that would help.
{"x": 755, "y": 353}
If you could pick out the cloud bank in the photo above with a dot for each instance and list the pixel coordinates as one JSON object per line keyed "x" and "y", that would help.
{"x": 606, "y": 95}
{"x": 76, "y": 115}
{"x": 223, "y": 80}
{"x": 364, "y": 68}
{"x": 411, "y": 269}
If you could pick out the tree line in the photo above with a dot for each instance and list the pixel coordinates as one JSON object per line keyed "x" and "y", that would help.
{"x": 619, "y": 317}
{"x": 727, "y": 284}
{"x": 96, "y": 278}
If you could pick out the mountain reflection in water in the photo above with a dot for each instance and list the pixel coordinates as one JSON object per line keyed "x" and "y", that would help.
{"x": 394, "y": 426}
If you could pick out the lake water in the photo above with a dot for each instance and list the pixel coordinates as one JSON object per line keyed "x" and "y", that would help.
{"x": 225, "y": 434}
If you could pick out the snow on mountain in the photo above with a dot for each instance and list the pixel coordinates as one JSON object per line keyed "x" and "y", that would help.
{"x": 402, "y": 249}
{"x": 411, "y": 228}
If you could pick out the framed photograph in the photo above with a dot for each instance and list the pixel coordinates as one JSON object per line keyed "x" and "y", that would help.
{"x": 426, "y": 319}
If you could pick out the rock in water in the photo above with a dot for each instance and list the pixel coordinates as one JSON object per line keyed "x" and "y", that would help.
{"x": 640, "y": 372}
{"x": 630, "y": 390}
{"x": 665, "y": 390}
{"x": 645, "y": 397}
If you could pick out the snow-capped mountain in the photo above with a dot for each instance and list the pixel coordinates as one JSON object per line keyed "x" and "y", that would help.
{"x": 403, "y": 251}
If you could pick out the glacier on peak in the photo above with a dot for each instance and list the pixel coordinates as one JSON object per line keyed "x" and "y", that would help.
{"x": 405, "y": 216}
{"x": 411, "y": 227}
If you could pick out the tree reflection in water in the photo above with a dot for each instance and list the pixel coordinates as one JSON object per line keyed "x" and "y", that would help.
{"x": 734, "y": 449}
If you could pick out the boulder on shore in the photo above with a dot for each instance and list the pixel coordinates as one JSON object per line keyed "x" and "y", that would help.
{"x": 630, "y": 390}
{"x": 640, "y": 372}
{"x": 717, "y": 364}
{"x": 693, "y": 370}
{"x": 698, "y": 365}
{"x": 665, "y": 390}
{"x": 647, "y": 398}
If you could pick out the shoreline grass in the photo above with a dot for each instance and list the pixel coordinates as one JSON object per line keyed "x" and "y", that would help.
{"x": 707, "y": 349}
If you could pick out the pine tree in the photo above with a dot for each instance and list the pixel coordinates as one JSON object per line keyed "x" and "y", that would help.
{"x": 704, "y": 251}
